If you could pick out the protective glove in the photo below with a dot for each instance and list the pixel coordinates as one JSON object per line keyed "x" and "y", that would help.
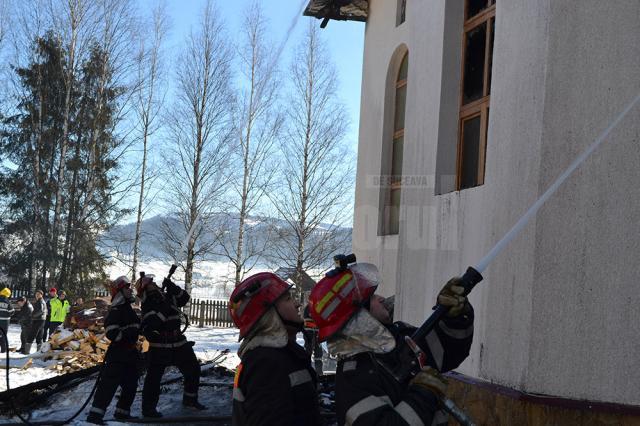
{"x": 451, "y": 295}
{"x": 430, "y": 379}
{"x": 172, "y": 288}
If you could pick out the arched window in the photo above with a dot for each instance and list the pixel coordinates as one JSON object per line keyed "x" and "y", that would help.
{"x": 392, "y": 194}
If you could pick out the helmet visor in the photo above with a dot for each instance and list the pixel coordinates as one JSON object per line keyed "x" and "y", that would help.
{"x": 366, "y": 276}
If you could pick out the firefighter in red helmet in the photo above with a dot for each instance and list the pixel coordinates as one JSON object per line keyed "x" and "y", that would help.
{"x": 358, "y": 327}
{"x": 274, "y": 384}
{"x": 120, "y": 362}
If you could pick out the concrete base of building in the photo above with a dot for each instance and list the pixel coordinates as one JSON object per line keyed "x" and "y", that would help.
{"x": 491, "y": 404}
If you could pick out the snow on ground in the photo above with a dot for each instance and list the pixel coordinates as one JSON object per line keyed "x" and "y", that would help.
{"x": 209, "y": 342}
{"x": 38, "y": 371}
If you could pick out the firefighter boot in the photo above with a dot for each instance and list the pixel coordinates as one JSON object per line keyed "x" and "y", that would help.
{"x": 27, "y": 349}
{"x": 192, "y": 402}
{"x": 95, "y": 419}
{"x": 124, "y": 417}
{"x": 38, "y": 346}
{"x": 153, "y": 413}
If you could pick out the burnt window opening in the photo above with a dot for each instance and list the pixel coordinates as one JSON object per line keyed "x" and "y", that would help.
{"x": 392, "y": 193}
{"x": 401, "y": 13}
{"x": 477, "y": 60}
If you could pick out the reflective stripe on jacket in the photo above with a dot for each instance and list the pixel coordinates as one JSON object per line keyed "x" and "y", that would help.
{"x": 367, "y": 394}
{"x": 6, "y": 310}
{"x": 275, "y": 387}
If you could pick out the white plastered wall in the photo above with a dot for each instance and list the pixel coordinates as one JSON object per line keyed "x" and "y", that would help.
{"x": 558, "y": 310}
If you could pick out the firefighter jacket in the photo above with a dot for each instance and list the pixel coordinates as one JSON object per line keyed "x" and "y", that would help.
{"x": 121, "y": 327}
{"x": 161, "y": 319}
{"x": 368, "y": 394}
{"x": 6, "y": 310}
{"x": 59, "y": 309}
{"x": 25, "y": 314}
{"x": 39, "y": 310}
{"x": 275, "y": 387}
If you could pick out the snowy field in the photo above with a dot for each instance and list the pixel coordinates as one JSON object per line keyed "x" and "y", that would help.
{"x": 209, "y": 278}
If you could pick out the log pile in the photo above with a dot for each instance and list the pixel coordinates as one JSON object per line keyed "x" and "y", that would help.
{"x": 89, "y": 315}
{"x": 78, "y": 349}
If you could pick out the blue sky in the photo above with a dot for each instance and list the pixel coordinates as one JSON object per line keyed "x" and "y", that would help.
{"x": 344, "y": 39}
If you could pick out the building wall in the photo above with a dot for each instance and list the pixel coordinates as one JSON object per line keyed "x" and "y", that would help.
{"x": 557, "y": 311}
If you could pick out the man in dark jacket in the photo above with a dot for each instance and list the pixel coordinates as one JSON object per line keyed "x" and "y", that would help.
{"x": 46, "y": 333}
{"x": 24, "y": 319}
{"x": 6, "y": 310}
{"x": 275, "y": 384}
{"x": 38, "y": 318}
{"x": 121, "y": 326}
{"x": 358, "y": 329}
{"x": 167, "y": 345}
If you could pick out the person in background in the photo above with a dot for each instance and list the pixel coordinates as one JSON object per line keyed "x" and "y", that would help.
{"x": 38, "y": 319}
{"x": 6, "y": 310}
{"x": 53, "y": 294}
{"x": 59, "y": 309}
{"x": 79, "y": 302}
{"x": 24, "y": 319}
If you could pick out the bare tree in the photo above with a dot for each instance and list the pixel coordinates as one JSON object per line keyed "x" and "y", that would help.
{"x": 4, "y": 21}
{"x": 200, "y": 132}
{"x": 317, "y": 172}
{"x": 148, "y": 104}
{"x": 258, "y": 123}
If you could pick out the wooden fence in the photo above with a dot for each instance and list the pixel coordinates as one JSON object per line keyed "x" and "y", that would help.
{"x": 201, "y": 312}
{"x": 19, "y": 292}
{"x": 210, "y": 312}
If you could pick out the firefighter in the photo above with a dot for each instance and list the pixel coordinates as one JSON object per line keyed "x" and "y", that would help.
{"x": 311, "y": 342}
{"x": 6, "y": 310}
{"x": 275, "y": 384}
{"x": 359, "y": 329}
{"x": 24, "y": 318}
{"x": 122, "y": 327}
{"x": 167, "y": 345}
{"x": 38, "y": 319}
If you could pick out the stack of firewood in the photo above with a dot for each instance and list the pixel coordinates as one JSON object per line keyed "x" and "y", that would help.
{"x": 78, "y": 349}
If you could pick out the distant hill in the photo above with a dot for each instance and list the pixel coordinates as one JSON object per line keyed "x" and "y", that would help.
{"x": 257, "y": 232}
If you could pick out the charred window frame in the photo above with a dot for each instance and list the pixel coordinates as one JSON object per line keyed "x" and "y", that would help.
{"x": 393, "y": 194}
{"x": 477, "y": 58}
{"x": 401, "y": 13}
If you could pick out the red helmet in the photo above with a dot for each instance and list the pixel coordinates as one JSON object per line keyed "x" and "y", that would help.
{"x": 336, "y": 298}
{"x": 253, "y": 297}
{"x": 118, "y": 284}
{"x": 143, "y": 283}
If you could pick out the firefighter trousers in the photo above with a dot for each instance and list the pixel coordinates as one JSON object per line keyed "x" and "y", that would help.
{"x": 114, "y": 374}
{"x": 184, "y": 359}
